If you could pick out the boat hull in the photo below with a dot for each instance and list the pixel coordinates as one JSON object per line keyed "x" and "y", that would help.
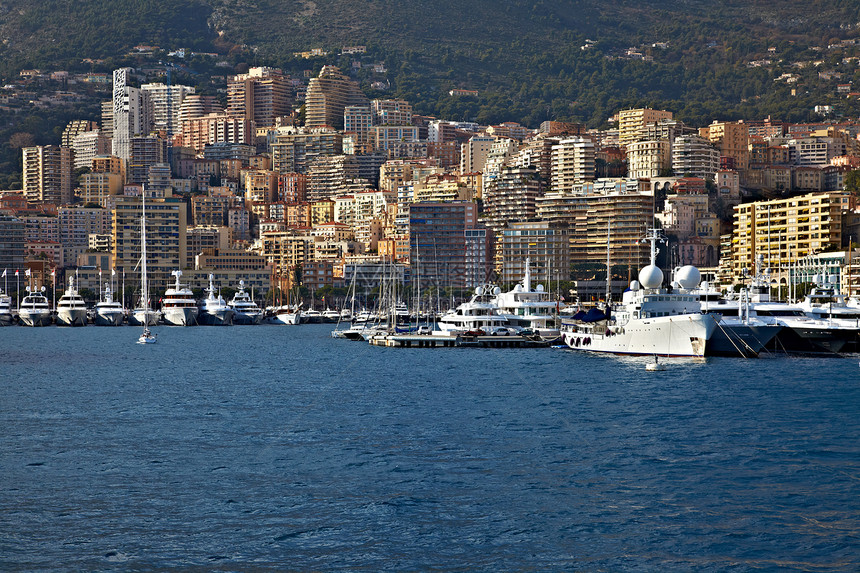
{"x": 815, "y": 340}
{"x": 285, "y": 318}
{"x": 247, "y": 318}
{"x": 221, "y": 317}
{"x": 72, "y": 317}
{"x": 105, "y": 318}
{"x": 144, "y": 318}
{"x": 184, "y": 316}
{"x": 682, "y": 335}
{"x": 741, "y": 339}
{"x": 6, "y": 319}
{"x": 34, "y": 318}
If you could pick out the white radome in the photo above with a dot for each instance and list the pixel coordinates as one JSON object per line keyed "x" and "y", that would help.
{"x": 688, "y": 277}
{"x": 651, "y": 276}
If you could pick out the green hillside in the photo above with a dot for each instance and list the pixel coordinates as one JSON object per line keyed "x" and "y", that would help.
{"x": 525, "y": 58}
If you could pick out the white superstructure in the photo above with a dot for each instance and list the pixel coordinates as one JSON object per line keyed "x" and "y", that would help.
{"x": 245, "y": 310}
{"x": 649, "y": 320}
{"x": 71, "y": 308}
{"x": 214, "y": 311}
{"x": 477, "y": 314}
{"x": 527, "y": 308}
{"x": 5, "y": 309}
{"x": 35, "y": 310}
{"x": 179, "y": 307}
{"x": 108, "y": 311}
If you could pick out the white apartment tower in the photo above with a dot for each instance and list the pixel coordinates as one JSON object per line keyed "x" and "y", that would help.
{"x": 572, "y": 163}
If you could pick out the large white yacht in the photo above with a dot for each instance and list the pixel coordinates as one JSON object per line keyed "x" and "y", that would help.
{"x": 5, "y": 309}
{"x": 71, "y": 308}
{"x": 530, "y": 309}
{"x": 245, "y": 310}
{"x": 478, "y": 314}
{"x": 650, "y": 320}
{"x": 214, "y": 311}
{"x": 285, "y": 314}
{"x": 109, "y": 312}
{"x": 35, "y": 310}
{"x": 179, "y": 307}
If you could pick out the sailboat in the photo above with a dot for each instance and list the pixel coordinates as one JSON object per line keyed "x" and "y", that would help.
{"x": 146, "y": 337}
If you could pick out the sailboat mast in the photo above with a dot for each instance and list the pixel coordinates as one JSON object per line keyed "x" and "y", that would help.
{"x": 608, "y": 267}
{"x": 143, "y": 286}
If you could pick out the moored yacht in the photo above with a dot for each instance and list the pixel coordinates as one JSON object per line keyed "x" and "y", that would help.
{"x": 35, "y": 309}
{"x": 5, "y": 309}
{"x": 214, "y": 310}
{"x": 285, "y": 314}
{"x": 527, "y": 308}
{"x": 478, "y": 314}
{"x": 179, "y": 307}
{"x": 650, "y": 320}
{"x": 108, "y": 311}
{"x": 245, "y": 310}
{"x": 71, "y": 308}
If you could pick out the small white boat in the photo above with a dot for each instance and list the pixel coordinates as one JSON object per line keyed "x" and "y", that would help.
{"x": 5, "y": 309}
{"x": 147, "y": 337}
{"x": 655, "y": 366}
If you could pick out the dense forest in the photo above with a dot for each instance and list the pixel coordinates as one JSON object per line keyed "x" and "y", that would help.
{"x": 575, "y": 60}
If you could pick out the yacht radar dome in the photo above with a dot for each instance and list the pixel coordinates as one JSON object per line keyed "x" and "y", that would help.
{"x": 497, "y": 291}
{"x": 651, "y": 276}
{"x": 539, "y": 288}
{"x": 634, "y": 285}
{"x": 479, "y": 291}
{"x": 688, "y": 277}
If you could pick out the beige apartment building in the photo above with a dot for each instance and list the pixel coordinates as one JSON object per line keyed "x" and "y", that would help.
{"x": 632, "y": 123}
{"x": 785, "y": 230}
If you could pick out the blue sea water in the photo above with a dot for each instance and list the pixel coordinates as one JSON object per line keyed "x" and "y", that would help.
{"x": 279, "y": 448}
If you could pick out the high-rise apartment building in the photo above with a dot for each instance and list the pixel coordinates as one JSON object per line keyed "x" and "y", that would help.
{"x": 441, "y": 253}
{"x": 166, "y": 246}
{"x": 328, "y": 95}
{"x": 75, "y": 128}
{"x": 198, "y": 132}
{"x": 694, "y": 156}
{"x": 543, "y": 244}
{"x": 294, "y": 149}
{"x": 632, "y": 123}
{"x": 260, "y": 96}
{"x": 196, "y": 105}
{"x": 473, "y": 153}
{"x": 648, "y": 158}
{"x": 132, "y": 114}
{"x": 145, "y": 152}
{"x": 48, "y": 174}
{"x": 572, "y": 163}
{"x": 731, "y": 138}
{"x": 786, "y": 230}
{"x": 166, "y": 102}
{"x": 391, "y": 112}
{"x": 87, "y": 145}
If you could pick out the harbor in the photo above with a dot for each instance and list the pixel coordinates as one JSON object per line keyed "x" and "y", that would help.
{"x": 285, "y": 443}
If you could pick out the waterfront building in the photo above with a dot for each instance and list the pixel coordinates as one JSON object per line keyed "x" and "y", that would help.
{"x": 543, "y": 244}
{"x": 785, "y": 230}
{"x": 166, "y": 231}
{"x": 444, "y": 250}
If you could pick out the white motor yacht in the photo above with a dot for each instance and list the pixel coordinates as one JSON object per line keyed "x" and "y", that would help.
{"x": 5, "y": 309}
{"x": 245, "y": 310}
{"x": 214, "y": 311}
{"x": 478, "y": 314}
{"x": 286, "y": 314}
{"x": 527, "y": 308}
{"x": 108, "y": 311}
{"x": 71, "y": 308}
{"x": 35, "y": 310}
{"x": 179, "y": 307}
{"x": 650, "y": 320}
